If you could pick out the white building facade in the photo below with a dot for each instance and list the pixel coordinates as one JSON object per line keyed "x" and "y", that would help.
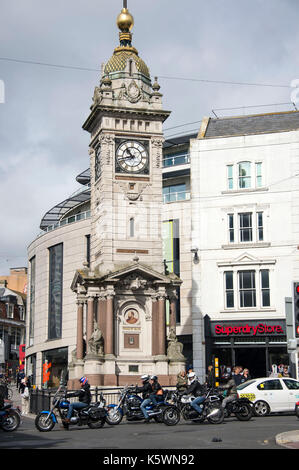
{"x": 245, "y": 223}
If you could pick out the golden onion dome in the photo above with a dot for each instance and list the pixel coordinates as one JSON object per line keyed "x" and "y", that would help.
{"x": 118, "y": 62}
{"x": 125, "y": 50}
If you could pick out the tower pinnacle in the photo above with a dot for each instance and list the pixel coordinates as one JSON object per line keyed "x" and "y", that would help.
{"x": 125, "y": 23}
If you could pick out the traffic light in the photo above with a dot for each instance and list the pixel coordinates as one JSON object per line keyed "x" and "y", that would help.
{"x": 296, "y": 309}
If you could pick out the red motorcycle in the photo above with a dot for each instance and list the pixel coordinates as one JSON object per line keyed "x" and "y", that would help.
{"x": 297, "y": 409}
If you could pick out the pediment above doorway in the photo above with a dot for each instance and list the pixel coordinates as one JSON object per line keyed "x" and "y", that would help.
{"x": 133, "y": 276}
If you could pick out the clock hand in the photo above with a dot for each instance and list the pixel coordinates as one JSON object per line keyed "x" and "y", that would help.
{"x": 129, "y": 152}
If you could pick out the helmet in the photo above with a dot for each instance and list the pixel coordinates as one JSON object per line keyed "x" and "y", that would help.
{"x": 191, "y": 375}
{"x": 144, "y": 378}
{"x": 83, "y": 380}
{"x": 154, "y": 377}
{"x": 226, "y": 376}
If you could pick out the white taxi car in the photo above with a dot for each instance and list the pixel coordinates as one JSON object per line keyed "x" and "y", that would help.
{"x": 271, "y": 394}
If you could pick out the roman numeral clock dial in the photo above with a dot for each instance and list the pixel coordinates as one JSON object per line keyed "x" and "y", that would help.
{"x": 132, "y": 157}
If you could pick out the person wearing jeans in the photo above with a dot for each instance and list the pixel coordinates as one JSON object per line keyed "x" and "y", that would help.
{"x": 196, "y": 402}
{"x": 84, "y": 399}
{"x": 196, "y": 389}
{"x": 146, "y": 391}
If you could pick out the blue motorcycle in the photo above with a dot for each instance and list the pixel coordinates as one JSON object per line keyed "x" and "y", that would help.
{"x": 94, "y": 414}
{"x": 129, "y": 407}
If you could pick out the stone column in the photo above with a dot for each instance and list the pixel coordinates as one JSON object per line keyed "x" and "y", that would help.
{"x": 101, "y": 315}
{"x": 90, "y": 319}
{"x": 80, "y": 307}
{"x": 155, "y": 330}
{"x": 109, "y": 340}
{"x": 161, "y": 326}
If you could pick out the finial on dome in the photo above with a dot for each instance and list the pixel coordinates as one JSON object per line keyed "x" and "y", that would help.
{"x": 125, "y": 20}
{"x": 125, "y": 23}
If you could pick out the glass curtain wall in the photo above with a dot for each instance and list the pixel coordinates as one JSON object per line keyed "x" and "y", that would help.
{"x": 55, "y": 291}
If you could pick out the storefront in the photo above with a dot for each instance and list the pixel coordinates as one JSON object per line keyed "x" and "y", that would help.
{"x": 254, "y": 344}
{"x": 54, "y": 366}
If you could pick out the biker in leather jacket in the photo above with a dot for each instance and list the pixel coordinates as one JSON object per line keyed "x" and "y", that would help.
{"x": 146, "y": 388}
{"x": 231, "y": 388}
{"x": 84, "y": 398}
{"x": 146, "y": 391}
{"x": 197, "y": 390}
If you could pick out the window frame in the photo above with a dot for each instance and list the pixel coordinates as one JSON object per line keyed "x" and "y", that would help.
{"x": 254, "y": 174}
{"x": 235, "y": 293}
{"x": 237, "y": 229}
{"x": 246, "y": 177}
{"x": 244, "y": 291}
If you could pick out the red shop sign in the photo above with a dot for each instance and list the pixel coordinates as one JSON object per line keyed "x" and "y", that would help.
{"x": 251, "y": 330}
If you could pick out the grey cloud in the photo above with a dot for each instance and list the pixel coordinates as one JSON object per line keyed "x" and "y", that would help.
{"x": 42, "y": 144}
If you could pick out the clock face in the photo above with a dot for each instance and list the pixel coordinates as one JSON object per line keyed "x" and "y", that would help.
{"x": 132, "y": 156}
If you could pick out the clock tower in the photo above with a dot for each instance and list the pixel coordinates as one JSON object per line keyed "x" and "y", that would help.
{"x": 125, "y": 288}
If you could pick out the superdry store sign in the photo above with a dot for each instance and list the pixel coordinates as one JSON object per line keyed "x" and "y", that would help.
{"x": 262, "y": 328}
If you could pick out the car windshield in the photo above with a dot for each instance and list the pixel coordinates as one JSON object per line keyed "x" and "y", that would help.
{"x": 245, "y": 384}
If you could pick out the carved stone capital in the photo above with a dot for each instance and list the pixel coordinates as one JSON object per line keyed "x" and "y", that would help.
{"x": 157, "y": 143}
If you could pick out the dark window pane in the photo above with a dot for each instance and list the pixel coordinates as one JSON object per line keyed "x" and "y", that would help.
{"x": 266, "y": 298}
{"x": 55, "y": 292}
{"x": 229, "y": 289}
{"x": 229, "y": 299}
{"x": 265, "y": 278}
{"x": 229, "y": 280}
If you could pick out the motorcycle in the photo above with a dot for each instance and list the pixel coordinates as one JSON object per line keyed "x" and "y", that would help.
{"x": 10, "y": 418}
{"x": 211, "y": 407}
{"x": 129, "y": 407}
{"x": 297, "y": 409}
{"x": 94, "y": 414}
{"x": 242, "y": 408}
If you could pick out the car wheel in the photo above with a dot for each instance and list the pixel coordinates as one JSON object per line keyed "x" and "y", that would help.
{"x": 261, "y": 408}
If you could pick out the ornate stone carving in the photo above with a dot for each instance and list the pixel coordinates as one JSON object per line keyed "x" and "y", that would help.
{"x": 158, "y": 146}
{"x": 132, "y": 191}
{"x": 132, "y": 92}
{"x": 97, "y": 96}
{"x": 175, "y": 348}
{"x": 106, "y": 141}
{"x": 134, "y": 282}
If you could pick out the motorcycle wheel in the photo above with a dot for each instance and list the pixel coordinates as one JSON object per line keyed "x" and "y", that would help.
{"x": 11, "y": 422}
{"x": 43, "y": 424}
{"x": 171, "y": 416}
{"x": 218, "y": 417}
{"x": 114, "y": 417}
{"x": 297, "y": 411}
{"x": 245, "y": 413}
{"x": 96, "y": 424}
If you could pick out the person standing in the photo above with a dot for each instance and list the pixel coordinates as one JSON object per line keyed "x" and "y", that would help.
{"x": 237, "y": 376}
{"x": 245, "y": 376}
{"x": 182, "y": 381}
{"x": 25, "y": 394}
{"x": 210, "y": 377}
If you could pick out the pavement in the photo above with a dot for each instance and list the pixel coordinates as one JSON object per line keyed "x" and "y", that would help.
{"x": 289, "y": 440}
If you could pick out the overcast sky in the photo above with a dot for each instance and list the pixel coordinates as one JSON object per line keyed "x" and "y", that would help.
{"x": 42, "y": 144}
